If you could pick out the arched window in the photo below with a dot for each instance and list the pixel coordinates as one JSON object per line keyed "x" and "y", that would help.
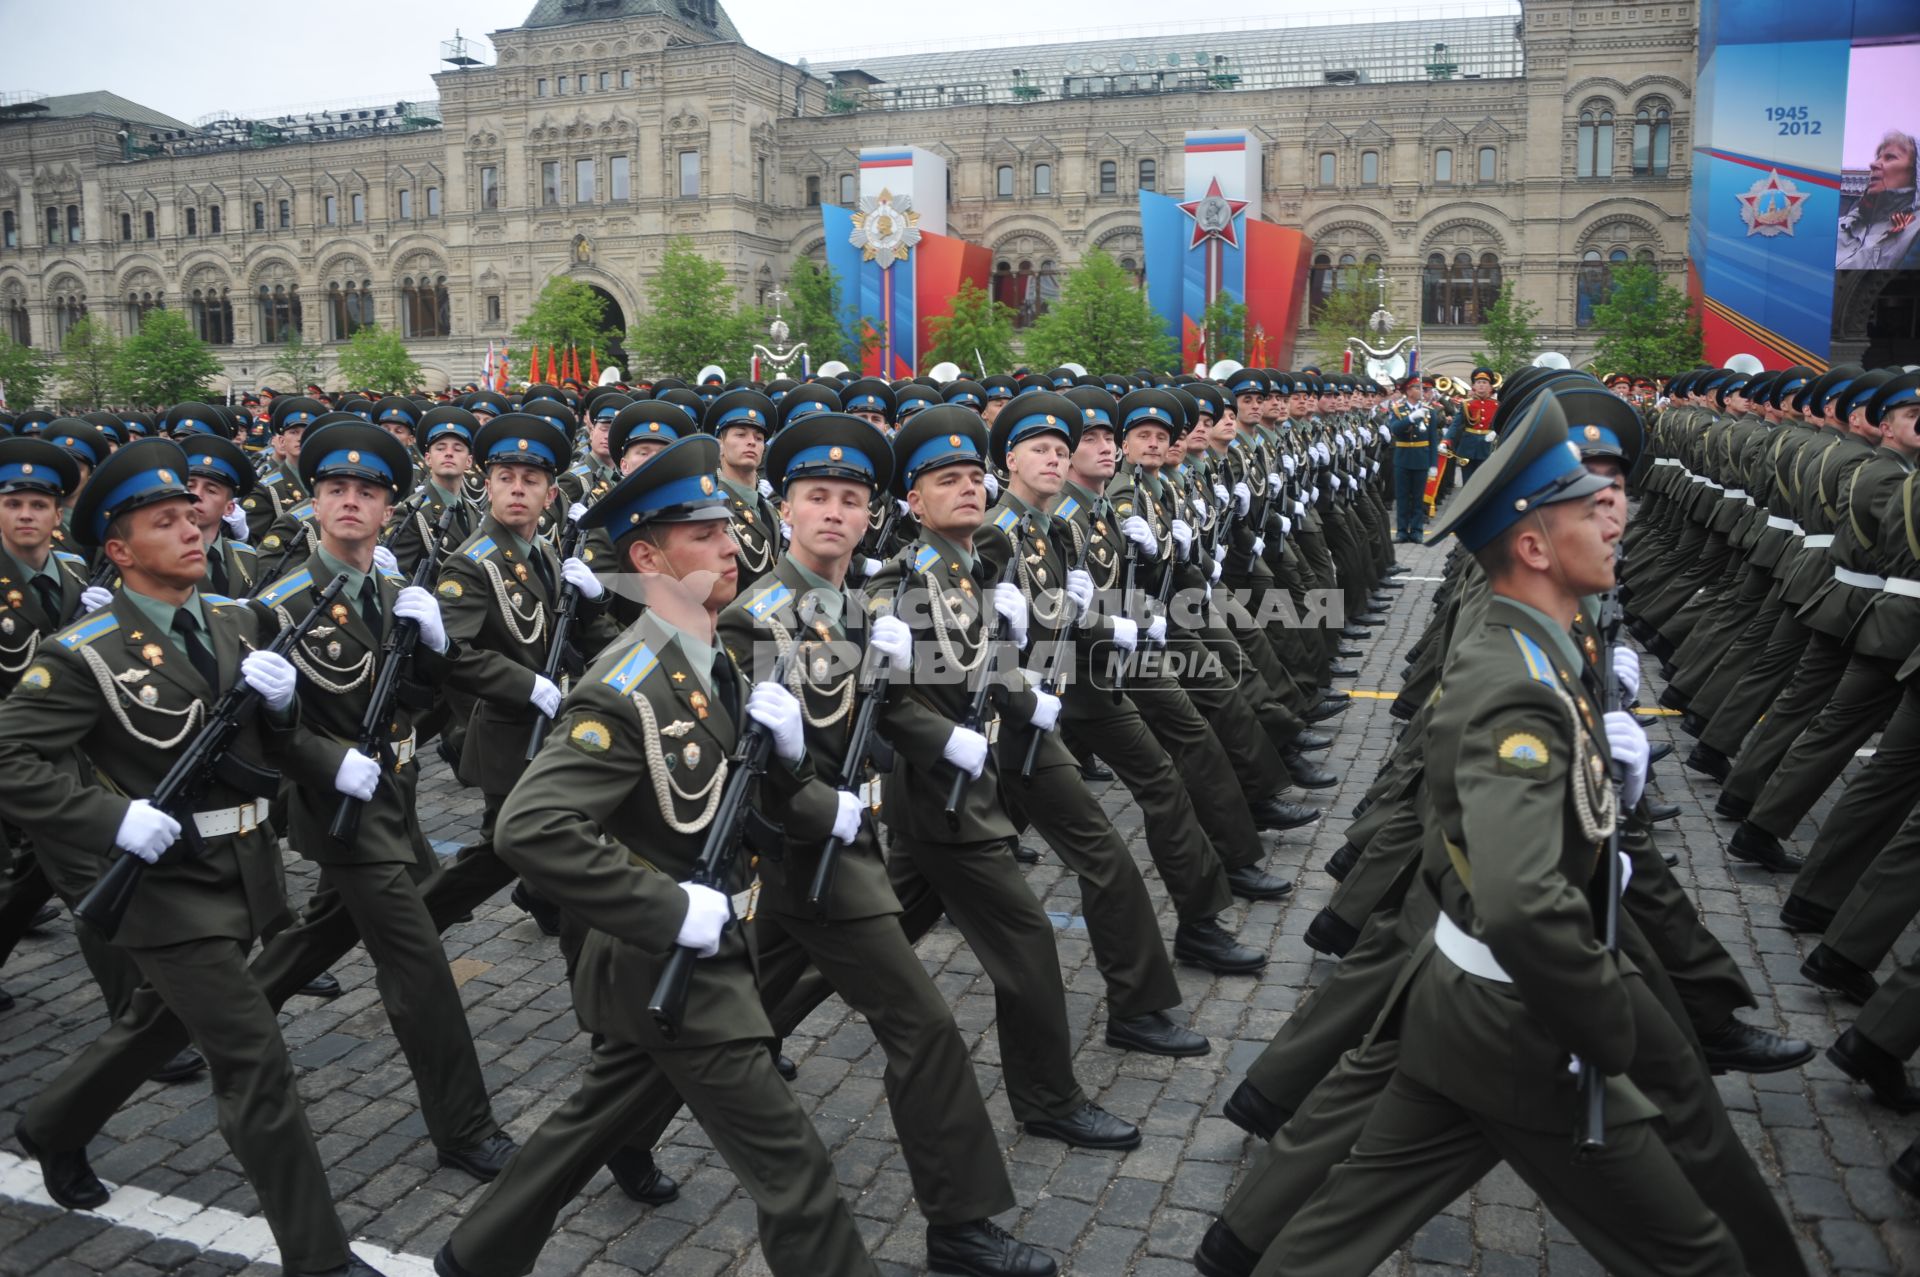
{"x": 14, "y": 320}
{"x": 1047, "y": 287}
{"x": 849, "y": 190}
{"x": 69, "y": 305}
{"x": 138, "y": 304}
{"x": 1329, "y": 275}
{"x": 1369, "y": 168}
{"x": 74, "y": 234}
{"x": 1593, "y": 153}
{"x": 1457, "y": 292}
{"x": 1443, "y": 165}
{"x": 211, "y": 311}
{"x": 349, "y": 307}
{"x": 1043, "y": 179}
{"x": 1652, "y": 141}
{"x": 1149, "y": 175}
{"x": 126, "y": 226}
{"x": 1326, "y": 168}
{"x": 813, "y": 190}
{"x": 1003, "y": 182}
{"x": 279, "y": 312}
{"x": 1131, "y": 265}
{"x": 425, "y": 307}
{"x": 1109, "y": 177}
{"x": 1486, "y": 170}
{"x": 1486, "y": 284}
{"x": 1594, "y": 285}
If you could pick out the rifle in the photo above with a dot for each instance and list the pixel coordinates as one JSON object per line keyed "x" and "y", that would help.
{"x": 395, "y": 657}
{"x": 873, "y": 698}
{"x": 192, "y": 774}
{"x": 1050, "y": 681}
{"x": 1591, "y": 1139}
{"x": 101, "y": 575}
{"x": 885, "y": 531}
{"x": 715, "y": 866}
{"x": 559, "y": 637}
{"x": 1126, "y": 590}
{"x": 982, "y": 688}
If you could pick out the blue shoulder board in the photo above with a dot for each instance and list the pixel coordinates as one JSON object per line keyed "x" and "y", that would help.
{"x": 85, "y": 632}
{"x": 1538, "y": 666}
{"x": 1068, "y": 507}
{"x": 285, "y": 586}
{"x": 68, "y": 556}
{"x": 244, "y": 548}
{"x": 396, "y": 578}
{"x": 767, "y": 600}
{"x": 927, "y": 557}
{"x": 302, "y": 511}
{"x": 636, "y": 666}
{"x": 583, "y": 469}
{"x": 1005, "y": 519}
{"x": 480, "y": 549}
{"x": 218, "y": 600}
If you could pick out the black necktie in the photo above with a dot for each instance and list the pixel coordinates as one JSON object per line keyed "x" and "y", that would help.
{"x": 188, "y": 628}
{"x": 217, "y": 569}
{"x": 49, "y": 591}
{"x": 370, "y": 604}
{"x": 544, "y": 570}
{"x": 725, "y": 687}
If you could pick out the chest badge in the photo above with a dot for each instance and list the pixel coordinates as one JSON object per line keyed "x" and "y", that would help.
{"x": 691, "y": 753}
{"x": 153, "y": 655}
{"x": 699, "y": 702}
{"x": 339, "y": 613}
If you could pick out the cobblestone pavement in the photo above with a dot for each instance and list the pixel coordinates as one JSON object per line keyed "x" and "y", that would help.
{"x": 1823, "y": 1145}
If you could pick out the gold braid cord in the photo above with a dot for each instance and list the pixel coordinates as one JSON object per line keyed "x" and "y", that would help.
{"x": 311, "y": 665}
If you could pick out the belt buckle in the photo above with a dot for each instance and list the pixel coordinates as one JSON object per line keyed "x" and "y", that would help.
{"x": 246, "y": 820}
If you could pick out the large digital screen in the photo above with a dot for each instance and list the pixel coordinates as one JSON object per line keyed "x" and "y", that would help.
{"x": 1879, "y": 227}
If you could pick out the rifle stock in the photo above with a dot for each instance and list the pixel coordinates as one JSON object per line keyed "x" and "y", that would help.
{"x": 1591, "y": 1139}
{"x": 105, "y": 905}
{"x": 1050, "y": 670}
{"x": 558, "y": 637}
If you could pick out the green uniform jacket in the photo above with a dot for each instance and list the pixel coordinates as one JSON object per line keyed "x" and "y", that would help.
{"x": 414, "y": 523}
{"x": 339, "y": 660}
{"x": 756, "y": 526}
{"x": 24, "y": 623}
{"x": 1517, "y": 777}
{"x": 824, "y": 675}
{"x": 1864, "y": 502}
{"x": 279, "y": 490}
{"x": 612, "y": 816}
{"x": 129, "y": 700}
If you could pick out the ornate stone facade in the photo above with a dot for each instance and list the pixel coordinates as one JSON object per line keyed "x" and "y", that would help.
{"x": 669, "y": 127}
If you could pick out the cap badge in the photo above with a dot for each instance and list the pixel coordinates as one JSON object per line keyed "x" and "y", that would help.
{"x": 953, "y": 441}
{"x": 166, "y": 476}
{"x": 353, "y": 458}
{"x": 706, "y": 484}
{"x": 834, "y": 454}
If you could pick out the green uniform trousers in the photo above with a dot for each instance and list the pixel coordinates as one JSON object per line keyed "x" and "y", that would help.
{"x": 1822, "y": 664}
{"x": 1219, "y": 797}
{"x": 744, "y": 1107}
{"x": 21, "y": 895}
{"x": 205, "y": 983}
{"x": 1854, "y": 847}
{"x": 1758, "y": 686}
{"x": 1860, "y": 705}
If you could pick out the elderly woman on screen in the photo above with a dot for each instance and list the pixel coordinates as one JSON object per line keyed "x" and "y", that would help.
{"x": 1882, "y": 231}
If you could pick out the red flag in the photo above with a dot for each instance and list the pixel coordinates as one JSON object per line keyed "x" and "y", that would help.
{"x": 553, "y": 364}
{"x": 593, "y": 365}
{"x": 500, "y": 370}
{"x": 533, "y": 371}
{"x": 573, "y": 362}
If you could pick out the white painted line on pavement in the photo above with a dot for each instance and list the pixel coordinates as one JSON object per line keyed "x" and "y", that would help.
{"x": 176, "y": 1219}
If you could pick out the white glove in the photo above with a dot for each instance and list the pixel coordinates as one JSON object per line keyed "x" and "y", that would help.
{"x": 1286, "y": 525}
{"x": 774, "y": 708}
{"x": 235, "y": 520}
{"x": 1135, "y": 529}
{"x": 1046, "y": 710}
{"x": 1273, "y": 478}
{"x": 993, "y": 487}
{"x": 766, "y": 489}
{"x": 1299, "y": 509}
{"x": 1628, "y": 744}
{"x": 1157, "y": 630}
{"x": 1219, "y": 551}
{"x": 95, "y": 597}
{"x": 146, "y": 831}
{"x": 906, "y": 511}
{"x": 270, "y": 674}
{"x": 1243, "y": 497}
{"x": 846, "y": 822}
{"x": 1126, "y": 633}
{"x": 966, "y": 750}
{"x": 1182, "y": 535}
{"x": 1215, "y": 576}
{"x": 1376, "y": 468}
{"x": 575, "y": 572}
{"x": 1493, "y": 437}
{"x": 384, "y": 560}
{"x": 869, "y": 567}
{"x": 1626, "y": 669}
{"x": 1289, "y": 462}
{"x": 544, "y": 697}
{"x": 707, "y": 912}
{"x": 1080, "y": 590}
{"x": 416, "y": 603}
{"x": 1011, "y": 605}
{"x": 891, "y": 637}
{"x": 1220, "y": 493}
{"x": 1259, "y": 544}
{"x": 358, "y": 776}
{"x": 1433, "y": 472}
{"x": 576, "y": 512}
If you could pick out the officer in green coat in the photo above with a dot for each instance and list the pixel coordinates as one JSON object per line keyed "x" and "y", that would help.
{"x": 167, "y": 652}
{"x": 608, "y": 823}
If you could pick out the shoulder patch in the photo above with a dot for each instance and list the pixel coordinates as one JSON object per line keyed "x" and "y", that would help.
{"x": 480, "y": 549}
{"x": 1538, "y": 666}
{"x": 38, "y": 678}
{"x": 591, "y": 736}
{"x": 926, "y": 558}
{"x": 450, "y": 589}
{"x": 271, "y": 541}
{"x": 1123, "y": 507}
{"x": 637, "y": 664}
{"x": 1523, "y": 750}
{"x": 88, "y": 631}
{"x": 286, "y": 586}
{"x": 763, "y": 603}
{"x": 1005, "y": 519}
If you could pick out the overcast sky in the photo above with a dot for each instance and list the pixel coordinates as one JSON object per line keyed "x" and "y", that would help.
{"x": 192, "y": 58}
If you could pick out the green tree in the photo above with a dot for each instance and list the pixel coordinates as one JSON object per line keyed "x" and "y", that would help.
{"x": 978, "y": 330}
{"x": 1646, "y": 326}
{"x": 1344, "y": 314}
{"x": 375, "y": 357}
{"x": 165, "y": 362}
{"x": 88, "y": 357}
{"x": 1225, "y": 321}
{"x": 297, "y": 363}
{"x": 692, "y": 319}
{"x": 1100, "y": 321}
{"x": 568, "y": 313}
{"x": 813, "y": 312}
{"x": 1508, "y": 333}
{"x": 24, "y": 372}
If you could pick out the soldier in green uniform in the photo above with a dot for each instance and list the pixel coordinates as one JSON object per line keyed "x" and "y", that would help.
{"x": 166, "y": 652}
{"x": 447, "y": 434}
{"x": 220, "y": 476}
{"x": 602, "y": 825}
{"x": 962, "y": 866}
{"x": 280, "y": 488}
{"x": 741, "y": 420}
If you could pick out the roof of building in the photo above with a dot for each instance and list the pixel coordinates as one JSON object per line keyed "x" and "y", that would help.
{"x": 1282, "y": 57}
{"x": 704, "y": 15}
{"x": 74, "y": 105}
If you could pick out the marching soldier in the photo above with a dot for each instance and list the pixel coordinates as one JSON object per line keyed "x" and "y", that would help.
{"x": 447, "y": 435}
{"x": 280, "y": 488}
{"x": 220, "y": 477}
{"x": 128, "y": 686}
{"x": 741, "y": 420}
{"x": 606, "y": 829}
